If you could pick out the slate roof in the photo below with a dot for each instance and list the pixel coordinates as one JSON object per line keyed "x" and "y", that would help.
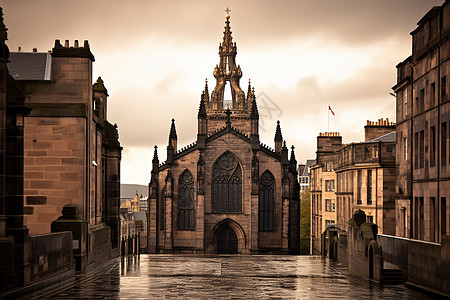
{"x": 30, "y": 65}
{"x": 309, "y": 163}
{"x": 388, "y": 137}
{"x": 139, "y": 215}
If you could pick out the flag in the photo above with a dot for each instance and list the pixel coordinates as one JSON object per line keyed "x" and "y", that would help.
{"x": 329, "y": 107}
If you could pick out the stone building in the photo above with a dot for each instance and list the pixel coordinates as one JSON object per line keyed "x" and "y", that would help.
{"x": 351, "y": 177}
{"x": 423, "y": 127}
{"x": 226, "y": 192}
{"x": 322, "y": 187}
{"x": 71, "y": 152}
{"x": 304, "y": 174}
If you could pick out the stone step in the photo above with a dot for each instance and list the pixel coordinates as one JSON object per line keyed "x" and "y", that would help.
{"x": 393, "y": 276}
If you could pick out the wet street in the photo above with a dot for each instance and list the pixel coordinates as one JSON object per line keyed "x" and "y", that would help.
{"x": 222, "y": 277}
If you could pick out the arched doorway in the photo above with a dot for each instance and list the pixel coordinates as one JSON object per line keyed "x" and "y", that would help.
{"x": 227, "y": 241}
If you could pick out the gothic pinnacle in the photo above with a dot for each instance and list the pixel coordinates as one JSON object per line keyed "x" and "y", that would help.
{"x": 202, "y": 108}
{"x": 278, "y": 135}
{"x": 173, "y": 131}
{"x": 254, "y": 113}
{"x": 155, "y": 154}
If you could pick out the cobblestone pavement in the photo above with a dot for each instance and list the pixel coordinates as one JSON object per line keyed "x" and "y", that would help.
{"x": 223, "y": 277}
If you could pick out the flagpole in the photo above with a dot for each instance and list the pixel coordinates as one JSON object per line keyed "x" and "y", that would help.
{"x": 328, "y": 109}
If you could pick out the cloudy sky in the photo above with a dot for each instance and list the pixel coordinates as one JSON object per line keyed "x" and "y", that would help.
{"x": 301, "y": 56}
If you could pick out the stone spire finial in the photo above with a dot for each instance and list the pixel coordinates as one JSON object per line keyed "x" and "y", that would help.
{"x": 292, "y": 159}
{"x": 254, "y": 114}
{"x": 99, "y": 86}
{"x": 278, "y": 135}
{"x": 173, "y": 131}
{"x": 155, "y": 154}
{"x": 202, "y": 108}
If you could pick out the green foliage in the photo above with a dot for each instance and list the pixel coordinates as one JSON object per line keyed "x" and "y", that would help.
{"x": 305, "y": 221}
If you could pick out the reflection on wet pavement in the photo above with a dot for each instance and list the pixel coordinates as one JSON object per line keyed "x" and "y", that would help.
{"x": 218, "y": 277}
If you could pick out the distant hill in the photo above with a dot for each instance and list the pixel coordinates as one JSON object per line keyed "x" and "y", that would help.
{"x": 128, "y": 190}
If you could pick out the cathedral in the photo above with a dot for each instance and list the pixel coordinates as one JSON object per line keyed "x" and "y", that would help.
{"x": 226, "y": 193}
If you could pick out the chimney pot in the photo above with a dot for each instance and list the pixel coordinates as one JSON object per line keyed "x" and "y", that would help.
{"x": 34, "y": 49}
{"x": 66, "y": 44}
{"x": 86, "y": 44}
{"x": 75, "y": 44}
{"x": 19, "y": 49}
{"x": 58, "y": 44}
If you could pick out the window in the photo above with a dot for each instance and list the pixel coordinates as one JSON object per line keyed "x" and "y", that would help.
{"x": 162, "y": 209}
{"x": 443, "y": 89}
{"x": 443, "y": 215}
{"x": 422, "y": 101}
{"x": 359, "y": 188}
{"x": 416, "y": 150}
{"x": 369, "y": 219}
{"x": 405, "y": 98}
{"x": 227, "y": 184}
{"x": 329, "y": 185}
{"x": 266, "y": 202}
{"x": 432, "y": 94}
{"x": 422, "y": 149}
{"x": 405, "y": 148}
{"x": 432, "y": 146}
{"x": 333, "y": 205}
{"x": 327, "y": 204}
{"x": 329, "y": 223}
{"x": 329, "y": 166}
{"x": 369, "y": 187}
{"x": 443, "y": 143}
{"x": 186, "y": 207}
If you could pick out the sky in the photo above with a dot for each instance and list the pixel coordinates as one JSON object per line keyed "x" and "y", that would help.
{"x": 301, "y": 56}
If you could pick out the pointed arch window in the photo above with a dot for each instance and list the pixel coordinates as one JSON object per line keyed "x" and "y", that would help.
{"x": 227, "y": 184}
{"x": 266, "y": 201}
{"x": 162, "y": 209}
{"x": 186, "y": 206}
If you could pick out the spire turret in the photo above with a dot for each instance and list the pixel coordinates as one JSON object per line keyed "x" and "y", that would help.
{"x": 254, "y": 114}
{"x": 173, "y": 136}
{"x": 155, "y": 160}
{"x": 293, "y": 161}
{"x": 278, "y": 137}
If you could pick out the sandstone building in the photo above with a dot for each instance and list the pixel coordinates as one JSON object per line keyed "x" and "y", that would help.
{"x": 423, "y": 127}
{"x": 351, "y": 177}
{"x": 226, "y": 192}
{"x": 71, "y": 152}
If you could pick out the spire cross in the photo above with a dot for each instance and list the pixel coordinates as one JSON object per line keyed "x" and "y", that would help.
{"x": 228, "y": 10}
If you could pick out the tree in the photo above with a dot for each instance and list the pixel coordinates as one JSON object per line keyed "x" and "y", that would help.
{"x": 305, "y": 221}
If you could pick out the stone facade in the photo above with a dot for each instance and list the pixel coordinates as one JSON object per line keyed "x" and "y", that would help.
{"x": 423, "y": 126}
{"x": 225, "y": 193}
{"x": 71, "y": 152}
{"x": 356, "y": 176}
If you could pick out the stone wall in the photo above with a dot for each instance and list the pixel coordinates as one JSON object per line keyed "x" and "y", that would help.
{"x": 54, "y": 169}
{"x": 424, "y": 264}
{"x": 50, "y": 255}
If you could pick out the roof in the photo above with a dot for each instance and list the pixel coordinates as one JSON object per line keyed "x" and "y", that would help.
{"x": 388, "y": 137}
{"x": 306, "y": 166}
{"x": 30, "y": 65}
{"x": 139, "y": 215}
